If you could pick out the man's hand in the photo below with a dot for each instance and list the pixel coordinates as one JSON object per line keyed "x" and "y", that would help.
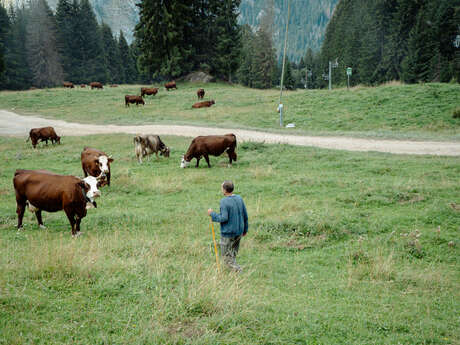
{"x": 209, "y": 211}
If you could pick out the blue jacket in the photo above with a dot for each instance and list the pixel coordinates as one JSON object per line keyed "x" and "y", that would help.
{"x": 233, "y": 217}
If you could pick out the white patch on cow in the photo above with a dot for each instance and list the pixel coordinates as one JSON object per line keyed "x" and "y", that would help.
{"x": 93, "y": 191}
{"x": 184, "y": 163}
{"x": 32, "y": 208}
{"x": 104, "y": 164}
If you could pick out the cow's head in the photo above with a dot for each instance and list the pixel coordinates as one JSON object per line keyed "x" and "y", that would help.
{"x": 58, "y": 138}
{"x": 137, "y": 139}
{"x": 89, "y": 185}
{"x": 212, "y": 102}
{"x": 232, "y": 155}
{"x": 103, "y": 162}
{"x": 165, "y": 151}
{"x": 184, "y": 163}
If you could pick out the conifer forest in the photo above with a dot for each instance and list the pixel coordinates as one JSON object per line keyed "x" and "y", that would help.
{"x": 381, "y": 40}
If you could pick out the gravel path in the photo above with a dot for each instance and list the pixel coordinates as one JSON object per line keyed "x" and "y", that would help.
{"x": 12, "y": 124}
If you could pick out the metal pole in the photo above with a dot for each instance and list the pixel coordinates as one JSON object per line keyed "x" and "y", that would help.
{"x": 348, "y": 82}
{"x": 330, "y": 75}
{"x": 284, "y": 61}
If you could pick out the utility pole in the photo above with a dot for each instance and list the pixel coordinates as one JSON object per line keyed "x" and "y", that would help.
{"x": 280, "y": 106}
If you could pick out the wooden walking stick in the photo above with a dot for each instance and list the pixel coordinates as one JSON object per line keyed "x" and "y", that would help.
{"x": 215, "y": 245}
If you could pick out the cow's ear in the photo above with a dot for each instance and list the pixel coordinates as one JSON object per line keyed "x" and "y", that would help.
{"x": 84, "y": 185}
{"x": 111, "y": 159}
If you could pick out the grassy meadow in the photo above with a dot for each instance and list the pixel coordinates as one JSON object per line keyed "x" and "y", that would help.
{"x": 391, "y": 111}
{"x": 343, "y": 248}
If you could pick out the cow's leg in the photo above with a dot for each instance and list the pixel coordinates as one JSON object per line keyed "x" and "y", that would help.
{"x": 20, "y": 209}
{"x": 38, "y": 214}
{"x": 108, "y": 178}
{"x": 229, "y": 158}
{"x": 207, "y": 160}
{"x": 78, "y": 224}
{"x": 198, "y": 161}
{"x": 71, "y": 216}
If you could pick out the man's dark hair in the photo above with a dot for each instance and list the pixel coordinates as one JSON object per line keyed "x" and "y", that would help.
{"x": 228, "y": 186}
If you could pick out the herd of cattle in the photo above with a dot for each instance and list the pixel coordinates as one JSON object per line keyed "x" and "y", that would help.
{"x": 145, "y": 91}
{"x": 43, "y": 190}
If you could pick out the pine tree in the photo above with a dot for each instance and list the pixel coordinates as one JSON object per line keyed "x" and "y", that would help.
{"x": 245, "y": 74}
{"x": 4, "y": 30}
{"x": 112, "y": 55}
{"x": 17, "y": 74}
{"x": 41, "y": 46}
{"x": 127, "y": 60}
{"x": 289, "y": 81}
{"x": 90, "y": 57}
{"x": 65, "y": 16}
{"x": 225, "y": 57}
{"x": 164, "y": 36}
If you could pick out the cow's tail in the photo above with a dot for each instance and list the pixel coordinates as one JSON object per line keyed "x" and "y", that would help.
{"x": 233, "y": 135}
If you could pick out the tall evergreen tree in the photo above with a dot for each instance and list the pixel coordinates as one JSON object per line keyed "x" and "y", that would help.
{"x": 4, "y": 30}
{"x": 112, "y": 56}
{"x": 245, "y": 73}
{"x": 127, "y": 60}
{"x": 225, "y": 57}
{"x": 88, "y": 38}
{"x": 65, "y": 17}
{"x": 164, "y": 37}
{"x": 289, "y": 81}
{"x": 41, "y": 46}
{"x": 17, "y": 75}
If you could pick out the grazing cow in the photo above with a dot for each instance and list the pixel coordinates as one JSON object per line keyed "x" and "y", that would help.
{"x": 68, "y": 84}
{"x": 200, "y": 93}
{"x": 203, "y": 104}
{"x": 145, "y": 145}
{"x": 43, "y": 190}
{"x": 94, "y": 163}
{"x": 113, "y": 85}
{"x": 215, "y": 145}
{"x": 171, "y": 85}
{"x": 43, "y": 134}
{"x": 149, "y": 91}
{"x": 96, "y": 84}
{"x": 133, "y": 99}
{"x": 82, "y": 85}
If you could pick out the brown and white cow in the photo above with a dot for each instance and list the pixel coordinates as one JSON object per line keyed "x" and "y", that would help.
{"x": 214, "y": 145}
{"x": 43, "y": 134}
{"x": 171, "y": 85}
{"x": 43, "y": 190}
{"x": 95, "y": 162}
{"x": 133, "y": 99}
{"x": 149, "y": 91}
{"x": 200, "y": 93}
{"x": 96, "y": 85}
{"x": 203, "y": 104}
{"x": 68, "y": 84}
{"x": 145, "y": 145}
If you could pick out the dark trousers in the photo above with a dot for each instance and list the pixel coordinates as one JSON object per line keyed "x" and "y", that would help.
{"x": 229, "y": 247}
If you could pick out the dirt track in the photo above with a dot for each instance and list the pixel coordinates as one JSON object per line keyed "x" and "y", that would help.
{"x": 12, "y": 124}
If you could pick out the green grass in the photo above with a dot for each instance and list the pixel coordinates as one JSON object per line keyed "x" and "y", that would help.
{"x": 391, "y": 111}
{"x": 343, "y": 248}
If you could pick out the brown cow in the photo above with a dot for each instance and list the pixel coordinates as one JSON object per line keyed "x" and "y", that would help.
{"x": 203, "y": 104}
{"x": 145, "y": 145}
{"x": 200, "y": 93}
{"x": 68, "y": 84}
{"x": 82, "y": 85}
{"x": 133, "y": 99}
{"x": 215, "y": 145}
{"x": 149, "y": 91}
{"x": 95, "y": 162}
{"x": 43, "y": 134}
{"x": 113, "y": 85}
{"x": 96, "y": 84}
{"x": 171, "y": 85}
{"x": 43, "y": 190}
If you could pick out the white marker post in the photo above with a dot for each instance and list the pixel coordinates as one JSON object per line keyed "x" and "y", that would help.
{"x": 349, "y": 71}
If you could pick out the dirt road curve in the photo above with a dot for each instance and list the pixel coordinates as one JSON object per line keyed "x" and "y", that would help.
{"x": 12, "y": 124}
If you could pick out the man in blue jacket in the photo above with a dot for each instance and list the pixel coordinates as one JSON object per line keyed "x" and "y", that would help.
{"x": 233, "y": 219}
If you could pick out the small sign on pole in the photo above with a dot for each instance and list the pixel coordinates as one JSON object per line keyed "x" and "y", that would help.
{"x": 349, "y": 71}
